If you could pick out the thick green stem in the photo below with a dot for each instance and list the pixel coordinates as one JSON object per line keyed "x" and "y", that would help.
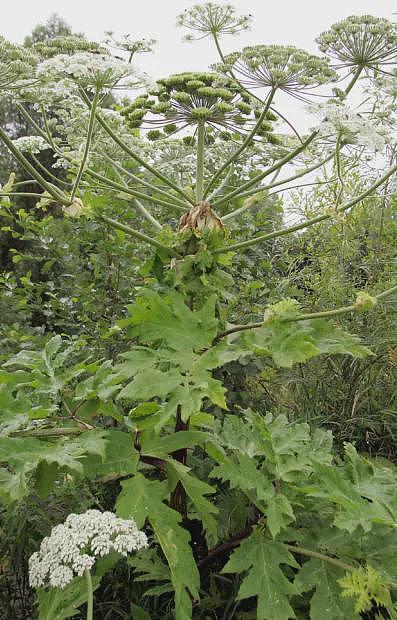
{"x": 25, "y": 163}
{"x": 307, "y": 223}
{"x": 282, "y": 162}
{"x": 90, "y": 595}
{"x": 90, "y": 131}
{"x": 352, "y": 82}
{"x": 243, "y": 145}
{"x": 129, "y": 191}
{"x": 200, "y": 162}
{"x": 136, "y": 157}
{"x": 138, "y": 235}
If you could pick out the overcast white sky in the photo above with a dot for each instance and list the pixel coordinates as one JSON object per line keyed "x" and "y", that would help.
{"x": 295, "y": 22}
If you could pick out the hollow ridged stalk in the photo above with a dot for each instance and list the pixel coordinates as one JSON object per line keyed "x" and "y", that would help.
{"x": 200, "y": 162}
{"x": 25, "y": 163}
{"x": 90, "y": 131}
{"x": 90, "y": 595}
{"x": 244, "y": 144}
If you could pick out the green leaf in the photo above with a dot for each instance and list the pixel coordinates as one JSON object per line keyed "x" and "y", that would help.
{"x": 46, "y": 474}
{"x": 292, "y": 342}
{"x": 327, "y": 602}
{"x": 261, "y": 560}
{"x": 279, "y": 513}
{"x": 138, "y": 613}
{"x": 141, "y": 499}
{"x": 353, "y": 509}
{"x": 148, "y": 566}
{"x": 120, "y": 457}
{"x": 161, "y": 446}
{"x": 168, "y": 319}
{"x": 60, "y": 603}
{"x": 241, "y": 472}
{"x": 24, "y": 455}
{"x": 196, "y": 489}
{"x": 151, "y": 383}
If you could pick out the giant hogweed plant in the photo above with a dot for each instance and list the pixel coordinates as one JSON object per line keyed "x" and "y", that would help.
{"x": 249, "y": 514}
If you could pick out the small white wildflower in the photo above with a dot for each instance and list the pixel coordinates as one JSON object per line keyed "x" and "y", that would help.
{"x": 74, "y": 546}
{"x": 31, "y": 144}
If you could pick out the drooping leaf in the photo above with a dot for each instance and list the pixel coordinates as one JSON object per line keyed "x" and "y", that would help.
{"x": 141, "y": 499}
{"x": 196, "y": 489}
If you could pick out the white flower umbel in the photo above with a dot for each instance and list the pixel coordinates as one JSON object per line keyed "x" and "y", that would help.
{"x": 74, "y": 546}
{"x": 31, "y": 144}
{"x": 95, "y": 71}
{"x": 351, "y": 127}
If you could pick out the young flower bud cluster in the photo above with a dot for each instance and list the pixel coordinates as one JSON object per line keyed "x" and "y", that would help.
{"x": 360, "y": 41}
{"x": 66, "y": 45}
{"x": 278, "y": 67}
{"x": 186, "y": 99}
{"x": 75, "y": 545}
{"x": 16, "y": 63}
{"x": 212, "y": 19}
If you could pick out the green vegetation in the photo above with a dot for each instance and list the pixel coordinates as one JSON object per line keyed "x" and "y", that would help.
{"x": 198, "y": 329}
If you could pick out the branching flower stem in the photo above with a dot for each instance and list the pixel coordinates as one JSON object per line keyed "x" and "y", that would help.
{"x": 256, "y": 190}
{"x": 312, "y": 221}
{"x": 282, "y": 162}
{"x": 249, "y": 138}
{"x": 293, "y": 177}
{"x": 91, "y": 123}
{"x": 136, "y": 157}
{"x": 178, "y": 202}
{"x": 219, "y": 189}
{"x": 138, "y": 235}
{"x": 25, "y": 163}
{"x": 128, "y": 190}
{"x": 325, "y": 314}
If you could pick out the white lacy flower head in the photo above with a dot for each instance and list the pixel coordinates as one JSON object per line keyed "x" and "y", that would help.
{"x": 31, "y": 144}
{"x": 350, "y": 126}
{"x": 75, "y": 545}
{"x": 87, "y": 69}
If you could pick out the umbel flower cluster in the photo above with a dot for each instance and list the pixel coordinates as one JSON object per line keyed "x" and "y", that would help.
{"x": 278, "y": 67}
{"x": 90, "y": 70}
{"x": 212, "y": 19}
{"x": 31, "y": 144}
{"x": 349, "y": 127}
{"x": 361, "y": 41}
{"x": 190, "y": 98}
{"x": 74, "y": 546}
